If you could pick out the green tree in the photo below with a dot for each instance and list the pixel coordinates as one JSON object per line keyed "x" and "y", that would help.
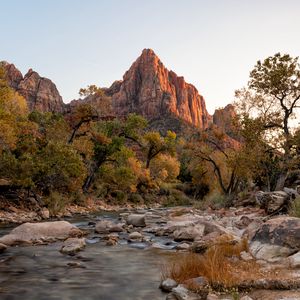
{"x": 154, "y": 144}
{"x": 271, "y": 99}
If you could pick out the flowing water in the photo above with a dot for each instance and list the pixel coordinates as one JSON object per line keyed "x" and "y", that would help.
{"x": 99, "y": 272}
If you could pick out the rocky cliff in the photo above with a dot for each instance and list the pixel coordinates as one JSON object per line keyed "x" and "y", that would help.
{"x": 224, "y": 117}
{"x": 149, "y": 89}
{"x": 41, "y": 93}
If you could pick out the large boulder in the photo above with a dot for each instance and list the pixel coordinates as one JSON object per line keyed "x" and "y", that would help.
{"x": 136, "y": 220}
{"x": 106, "y": 226}
{"x": 189, "y": 233}
{"x": 28, "y": 233}
{"x": 276, "y": 239}
{"x": 273, "y": 202}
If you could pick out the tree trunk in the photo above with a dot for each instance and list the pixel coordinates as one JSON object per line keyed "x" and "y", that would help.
{"x": 281, "y": 180}
{"x": 91, "y": 176}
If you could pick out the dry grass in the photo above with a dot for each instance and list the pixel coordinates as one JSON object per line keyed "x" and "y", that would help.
{"x": 220, "y": 265}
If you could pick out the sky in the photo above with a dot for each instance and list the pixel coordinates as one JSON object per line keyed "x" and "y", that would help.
{"x": 214, "y": 44}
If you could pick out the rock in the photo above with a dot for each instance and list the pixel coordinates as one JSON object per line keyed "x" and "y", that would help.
{"x": 273, "y": 202}
{"x": 134, "y": 236}
{"x": 183, "y": 246}
{"x": 106, "y": 226}
{"x": 291, "y": 192}
{"x": 44, "y": 213}
{"x": 211, "y": 296}
{"x": 149, "y": 89}
{"x": 182, "y": 293}
{"x": 136, "y": 220}
{"x": 36, "y": 232}
{"x": 246, "y": 298}
{"x": 246, "y": 256}
{"x": 72, "y": 245}
{"x": 168, "y": 284}
{"x": 112, "y": 240}
{"x": 243, "y": 222}
{"x": 2, "y": 247}
{"x": 223, "y": 118}
{"x": 13, "y": 75}
{"x": 252, "y": 228}
{"x": 294, "y": 260}
{"x": 276, "y": 239}
{"x": 189, "y": 233}
{"x": 40, "y": 93}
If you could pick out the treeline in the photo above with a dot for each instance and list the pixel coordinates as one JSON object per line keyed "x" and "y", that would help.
{"x": 64, "y": 158}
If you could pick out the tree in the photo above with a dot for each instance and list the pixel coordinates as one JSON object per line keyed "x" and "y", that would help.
{"x": 108, "y": 138}
{"x": 13, "y": 111}
{"x": 271, "y": 99}
{"x": 154, "y": 144}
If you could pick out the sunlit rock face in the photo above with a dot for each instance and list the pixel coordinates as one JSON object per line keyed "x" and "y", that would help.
{"x": 40, "y": 93}
{"x": 149, "y": 89}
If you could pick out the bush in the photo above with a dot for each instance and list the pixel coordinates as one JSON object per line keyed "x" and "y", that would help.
{"x": 120, "y": 196}
{"x": 56, "y": 203}
{"x": 215, "y": 200}
{"x": 136, "y": 198}
{"x": 294, "y": 209}
{"x": 216, "y": 265}
{"x": 176, "y": 198}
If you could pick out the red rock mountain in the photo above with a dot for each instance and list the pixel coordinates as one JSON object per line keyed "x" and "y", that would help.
{"x": 149, "y": 89}
{"x": 41, "y": 93}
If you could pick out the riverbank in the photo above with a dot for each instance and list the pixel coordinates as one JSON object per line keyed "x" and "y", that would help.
{"x": 266, "y": 261}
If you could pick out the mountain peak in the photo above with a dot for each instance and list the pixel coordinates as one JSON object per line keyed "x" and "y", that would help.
{"x": 150, "y": 89}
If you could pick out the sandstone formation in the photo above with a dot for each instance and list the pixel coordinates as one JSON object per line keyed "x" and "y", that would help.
{"x": 151, "y": 90}
{"x": 148, "y": 88}
{"x": 223, "y": 118}
{"x": 40, "y": 93}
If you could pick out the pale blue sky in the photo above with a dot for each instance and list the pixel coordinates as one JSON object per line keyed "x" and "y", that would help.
{"x": 214, "y": 44}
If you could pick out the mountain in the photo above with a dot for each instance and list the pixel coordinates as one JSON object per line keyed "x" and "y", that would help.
{"x": 149, "y": 89}
{"x": 40, "y": 92}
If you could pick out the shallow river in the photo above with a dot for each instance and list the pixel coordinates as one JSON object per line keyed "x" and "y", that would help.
{"x": 102, "y": 272}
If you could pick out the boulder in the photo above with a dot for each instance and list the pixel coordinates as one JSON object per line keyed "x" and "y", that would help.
{"x": 72, "y": 245}
{"x": 189, "y": 233}
{"x": 44, "y": 213}
{"x": 168, "y": 284}
{"x": 276, "y": 239}
{"x": 28, "y": 233}
{"x": 106, "y": 226}
{"x": 294, "y": 260}
{"x": 136, "y": 220}
{"x": 273, "y": 202}
{"x": 135, "y": 236}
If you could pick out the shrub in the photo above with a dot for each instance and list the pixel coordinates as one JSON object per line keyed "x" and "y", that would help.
{"x": 56, "y": 203}
{"x": 216, "y": 265}
{"x": 120, "y": 196}
{"x": 176, "y": 198}
{"x": 136, "y": 198}
{"x": 215, "y": 200}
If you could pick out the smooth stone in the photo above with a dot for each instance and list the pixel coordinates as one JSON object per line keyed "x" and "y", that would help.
{"x": 72, "y": 245}
{"x": 136, "y": 220}
{"x": 168, "y": 284}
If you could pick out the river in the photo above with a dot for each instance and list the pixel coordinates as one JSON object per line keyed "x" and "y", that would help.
{"x": 121, "y": 272}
